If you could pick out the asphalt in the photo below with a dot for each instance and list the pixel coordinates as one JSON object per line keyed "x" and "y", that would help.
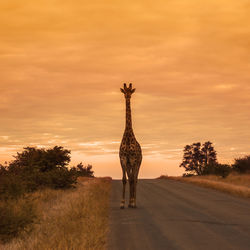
{"x": 175, "y": 215}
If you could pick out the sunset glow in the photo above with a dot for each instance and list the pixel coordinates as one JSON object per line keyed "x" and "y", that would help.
{"x": 62, "y": 64}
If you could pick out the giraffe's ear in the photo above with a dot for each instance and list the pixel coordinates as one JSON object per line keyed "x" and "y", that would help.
{"x": 122, "y": 90}
{"x": 133, "y": 90}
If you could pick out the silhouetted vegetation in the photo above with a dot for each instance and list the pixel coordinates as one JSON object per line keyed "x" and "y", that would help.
{"x": 16, "y": 216}
{"x": 222, "y": 170}
{"x": 11, "y": 186}
{"x": 242, "y": 165}
{"x": 197, "y": 157}
{"x": 31, "y": 170}
{"x": 36, "y": 168}
{"x": 80, "y": 170}
{"x": 201, "y": 160}
{"x": 42, "y": 160}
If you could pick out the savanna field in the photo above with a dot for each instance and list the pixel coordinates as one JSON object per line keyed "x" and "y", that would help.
{"x": 76, "y": 218}
{"x": 45, "y": 204}
{"x": 235, "y": 184}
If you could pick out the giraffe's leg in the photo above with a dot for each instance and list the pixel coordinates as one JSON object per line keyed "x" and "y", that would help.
{"x": 124, "y": 181}
{"x": 130, "y": 191}
{"x": 133, "y": 199}
{"x": 134, "y": 195}
{"x": 132, "y": 188}
{"x": 135, "y": 177}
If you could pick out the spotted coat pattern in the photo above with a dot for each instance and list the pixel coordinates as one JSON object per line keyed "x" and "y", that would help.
{"x": 130, "y": 152}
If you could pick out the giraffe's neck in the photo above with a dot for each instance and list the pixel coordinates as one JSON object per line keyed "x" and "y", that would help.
{"x": 128, "y": 115}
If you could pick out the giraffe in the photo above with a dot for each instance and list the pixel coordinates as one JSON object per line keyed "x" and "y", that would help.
{"x": 130, "y": 152}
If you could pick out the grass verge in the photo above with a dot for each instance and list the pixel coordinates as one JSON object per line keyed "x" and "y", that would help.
{"x": 235, "y": 184}
{"x": 69, "y": 219}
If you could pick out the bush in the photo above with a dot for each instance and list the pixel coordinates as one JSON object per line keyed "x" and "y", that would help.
{"x": 80, "y": 170}
{"x": 15, "y": 216}
{"x": 56, "y": 178}
{"x": 222, "y": 170}
{"x": 37, "y": 168}
{"x": 61, "y": 178}
{"x": 32, "y": 169}
{"x": 11, "y": 187}
{"x": 15, "y": 186}
{"x": 42, "y": 160}
{"x": 187, "y": 175}
{"x": 242, "y": 165}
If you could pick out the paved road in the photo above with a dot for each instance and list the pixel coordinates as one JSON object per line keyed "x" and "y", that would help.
{"x": 174, "y": 215}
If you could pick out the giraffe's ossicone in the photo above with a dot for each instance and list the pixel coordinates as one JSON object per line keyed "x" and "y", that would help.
{"x": 130, "y": 152}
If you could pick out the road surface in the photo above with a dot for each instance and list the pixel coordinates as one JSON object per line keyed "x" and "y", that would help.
{"x": 175, "y": 215}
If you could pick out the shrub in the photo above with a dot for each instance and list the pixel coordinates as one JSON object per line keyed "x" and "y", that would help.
{"x": 218, "y": 169}
{"x": 61, "y": 178}
{"x": 80, "y": 170}
{"x": 32, "y": 169}
{"x": 187, "y": 175}
{"x": 3, "y": 170}
{"x": 42, "y": 160}
{"x": 242, "y": 165}
{"x": 56, "y": 178}
{"x": 15, "y": 186}
{"x": 11, "y": 187}
{"x": 37, "y": 168}
{"x": 15, "y": 216}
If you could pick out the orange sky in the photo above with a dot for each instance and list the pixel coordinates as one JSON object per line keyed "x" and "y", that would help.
{"x": 62, "y": 64}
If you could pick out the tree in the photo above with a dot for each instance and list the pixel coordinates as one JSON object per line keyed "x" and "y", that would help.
{"x": 197, "y": 157}
{"x": 209, "y": 154}
{"x": 80, "y": 170}
{"x": 42, "y": 160}
{"x": 37, "y": 168}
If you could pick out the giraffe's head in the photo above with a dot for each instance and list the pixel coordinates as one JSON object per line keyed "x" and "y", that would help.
{"x": 127, "y": 91}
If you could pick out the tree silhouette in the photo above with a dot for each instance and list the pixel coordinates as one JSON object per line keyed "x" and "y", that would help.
{"x": 209, "y": 154}
{"x": 41, "y": 159}
{"x": 38, "y": 167}
{"x": 80, "y": 170}
{"x": 197, "y": 157}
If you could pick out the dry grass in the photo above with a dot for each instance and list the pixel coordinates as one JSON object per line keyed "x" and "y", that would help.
{"x": 235, "y": 184}
{"x": 71, "y": 219}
